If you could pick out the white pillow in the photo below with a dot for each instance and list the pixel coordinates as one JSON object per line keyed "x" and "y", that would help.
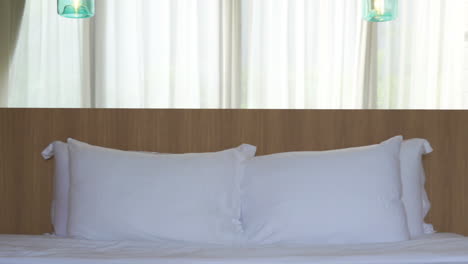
{"x": 120, "y": 195}
{"x": 414, "y": 194}
{"x": 59, "y": 207}
{"x": 344, "y": 196}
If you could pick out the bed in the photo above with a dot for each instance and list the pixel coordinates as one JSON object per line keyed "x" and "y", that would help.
{"x": 438, "y": 248}
{"x": 27, "y": 180}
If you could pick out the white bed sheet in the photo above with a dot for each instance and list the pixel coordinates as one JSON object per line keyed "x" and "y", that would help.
{"x": 437, "y": 248}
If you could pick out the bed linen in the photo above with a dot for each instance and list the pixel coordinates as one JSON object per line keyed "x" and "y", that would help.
{"x": 429, "y": 249}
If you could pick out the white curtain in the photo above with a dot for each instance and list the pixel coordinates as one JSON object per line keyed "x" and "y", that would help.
{"x": 303, "y": 53}
{"x": 158, "y": 54}
{"x": 241, "y": 54}
{"x": 205, "y": 54}
{"x": 50, "y": 66}
{"x": 418, "y": 61}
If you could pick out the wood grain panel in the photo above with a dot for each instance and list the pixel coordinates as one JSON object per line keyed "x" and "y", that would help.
{"x": 26, "y": 179}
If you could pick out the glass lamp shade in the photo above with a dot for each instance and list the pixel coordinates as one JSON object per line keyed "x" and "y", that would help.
{"x": 75, "y": 8}
{"x": 380, "y": 10}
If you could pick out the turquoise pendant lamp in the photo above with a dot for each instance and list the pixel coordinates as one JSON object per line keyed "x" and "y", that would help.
{"x": 380, "y": 10}
{"x": 75, "y": 8}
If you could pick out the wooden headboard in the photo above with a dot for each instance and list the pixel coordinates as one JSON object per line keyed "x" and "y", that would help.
{"x": 26, "y": 179}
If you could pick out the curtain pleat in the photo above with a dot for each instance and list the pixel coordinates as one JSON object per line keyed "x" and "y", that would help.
{"x": 289, "y": 54}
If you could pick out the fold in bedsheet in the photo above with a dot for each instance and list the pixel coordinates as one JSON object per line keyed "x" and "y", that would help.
{"x": 437, "y": 248}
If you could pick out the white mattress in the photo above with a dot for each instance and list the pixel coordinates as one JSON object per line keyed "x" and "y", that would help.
{"x": 438, "y": 248}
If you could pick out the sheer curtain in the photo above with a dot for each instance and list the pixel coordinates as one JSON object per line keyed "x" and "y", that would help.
{"x": 133, "y": 54}
{"x": 192, "y": 54}
{"x": 417, "y": 61}
{"x": 158, "y": 54}
{"x": 240, "y": 54}
{"x": 303, "y": 53}
{"x": 50, "y": 65}
{"x": 206, "y": 54}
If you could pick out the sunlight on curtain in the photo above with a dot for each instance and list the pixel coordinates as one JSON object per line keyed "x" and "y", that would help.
{"x": 303, "y": 54}
{"x": 50, "y": 65}
{"x": 418, "y": 60}
{"x": 295, "y": 54}
{"x": 158, "y": 54}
